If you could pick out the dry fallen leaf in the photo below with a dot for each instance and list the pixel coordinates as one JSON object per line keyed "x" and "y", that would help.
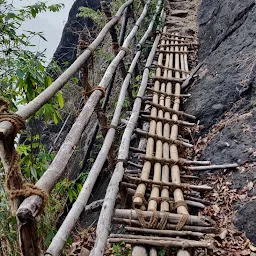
{"x": 250, "y": 185}
{"x": 252, "y": 247}
{"x": 216, "y": 209}
{"x": 223, "y": 233}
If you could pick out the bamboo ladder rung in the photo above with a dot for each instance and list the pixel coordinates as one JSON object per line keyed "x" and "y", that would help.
{"x": 166, "y": 120}
{"x": 167, "y": 79}
{"x": 171, "y": 185}
{"x": 166, "y": 109}
{"x": 162, "y": 138}
{"x": 169, "y": 226}
{"x": 171, "y": 161}
{"x": 168, "y": 94}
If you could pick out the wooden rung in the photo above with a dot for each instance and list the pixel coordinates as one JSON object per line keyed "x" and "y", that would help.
{"x": 190, "y": 201}
{"x": 134, "y": 164}
{"x": 132, "y": 171}
{"x": 162, "y": 138}
{"x": 181, "y": 52}
{"x": 166, "y": 109}
{"x": 168, "y": 94}
{"x": 168, "y": 68}
{"x": 179, "y": 13}
{"x": 137, "y": 150}
{"x": 136, "y": 223}
{"x": 211, "y": 167}
{"x": 167, "y": 120}
{"x": 176, "y": 40}
{"x": 171, "y": 185}
{"x": 180, "y": 162}
{"x": 189, "y": 177}
{"x": 159, "y": 241}
{"x": 162, "y": 243}
{"x": 172, "y": 217}
{"x": 168, "y": 79}
{"x": 147, "y": 98}
{"x": 179, "y": 44}
{"x": 165, "y": 232}
{"x": 179, "y": 36}
{"x": 128, "y": 185}
{"x": 145, "y": 112}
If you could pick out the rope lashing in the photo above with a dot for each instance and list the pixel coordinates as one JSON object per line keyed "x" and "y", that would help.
{"x": 182, "y": 222}
{"x": 99, "y": 88}
{"x": 153, "y": 222}
{"x": 126, "y": 50}
{"x": 140, "y": 195}
{"x": 181, "y": 203}
{"x": 17, "y": 121}
{"x": 109, "y": 127}
{"x": 15, "y": 183}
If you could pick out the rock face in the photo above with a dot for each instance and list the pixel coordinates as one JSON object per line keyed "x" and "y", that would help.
{"x": 226, "y": 87}
{"x": 66, "y": 51}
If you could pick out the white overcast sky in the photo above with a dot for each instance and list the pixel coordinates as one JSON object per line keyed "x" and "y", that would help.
{"x": 50, "y": 23}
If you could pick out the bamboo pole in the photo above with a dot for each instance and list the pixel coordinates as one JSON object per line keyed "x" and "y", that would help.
{"x": 168, "y": 120}
{"x": 165, "y": 232}
{"x": 168, "y": 79}
{"x": 124, "y": 26}
{"x": 163, "y": 243}
{"x": 62, "y": 234}
{"x": 175, "y": 170}
{"x": 141, "y": 189}
{"x": 211, "y": 167}
{"x": 162, "y": 138}
{"x": 169, "y": 94}
{"x": 156, "y": 238}
{"x": 136, "y": 223}
{"x": 176, "y": 112}
{"x": 31, "y": 205}
{"x": 6, "y": 127}
{"x": 171, "y": 185}
{"x": 173, "y": 218}
{"x": 190, "y": 201}
{"x": 112, "y": 190}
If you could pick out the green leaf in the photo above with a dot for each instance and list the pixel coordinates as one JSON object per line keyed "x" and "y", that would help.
{"x": 69, "y": 241}
{"x": 47, "y": 81}
{"x": 75, "y": 80}
{"x": 79, "y": 187}
{"x": 70, "y": 195}
{"x": 49, "y": 236}
{"x": 33, "y": 13}
{"x": 20, "y": 73}
{"x": 33, "y": 172}
{"x": 60, "y": 99}
{"x": 55, "y": 118}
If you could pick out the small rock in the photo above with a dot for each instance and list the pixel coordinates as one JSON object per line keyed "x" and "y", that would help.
{"x": 245, "y": 220}
{"x": 217, "y": 106}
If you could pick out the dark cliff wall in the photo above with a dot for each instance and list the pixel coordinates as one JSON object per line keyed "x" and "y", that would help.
{"x": 66, "y": 51}
{"x": 225, "y": 90}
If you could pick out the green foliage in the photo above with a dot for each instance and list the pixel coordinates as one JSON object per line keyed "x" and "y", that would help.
{"x": 71, "y": 188}
{"x": 97, "y": 17}
{"x": 121, "y": 250}
{"x": 136, "y": 86}
{"x": 23, "y": 75}
{"x": 161, "y": 252}
{"x": 22, "y": 72}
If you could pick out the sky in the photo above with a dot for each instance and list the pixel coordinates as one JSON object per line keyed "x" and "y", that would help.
{"x": 50, "y": 23}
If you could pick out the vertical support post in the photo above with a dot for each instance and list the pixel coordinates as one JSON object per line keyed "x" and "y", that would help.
{"x": 28, "y": 238}
{"x": 115, "y": 45}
